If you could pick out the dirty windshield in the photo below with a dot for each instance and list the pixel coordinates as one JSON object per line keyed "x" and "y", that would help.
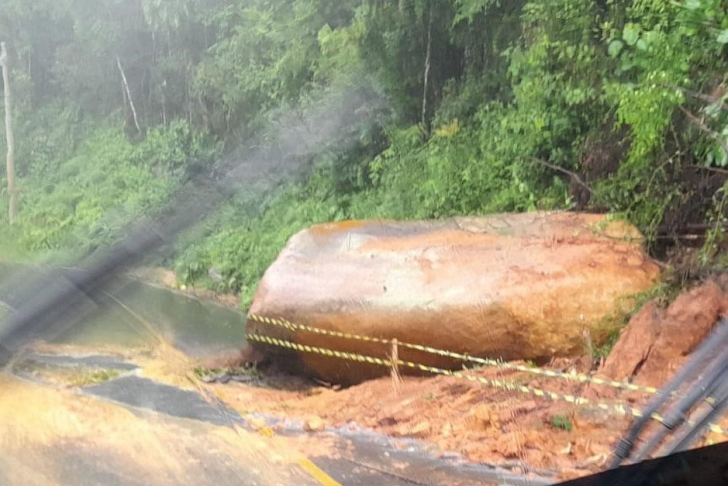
{"x": 363, "y": 242}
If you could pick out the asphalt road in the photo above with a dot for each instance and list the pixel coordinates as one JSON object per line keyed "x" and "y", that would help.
{"x": 58, "y": 437}
{"x": 131, "y": 430}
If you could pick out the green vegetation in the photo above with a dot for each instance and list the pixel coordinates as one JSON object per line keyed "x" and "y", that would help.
{"x": 93, "y": 378}
{"x": 495, "y": 106}
{"x": 202, "y": 372}
{"x": 70, "y": 377}
{"x": 562, "y": 422}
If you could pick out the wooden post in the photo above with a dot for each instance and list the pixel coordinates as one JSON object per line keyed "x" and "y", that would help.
{"x": 396, "y": 378}
{"x": 13, "y": 204}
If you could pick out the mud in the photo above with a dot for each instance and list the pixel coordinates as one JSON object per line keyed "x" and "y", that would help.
{"x": 505, "y": 429}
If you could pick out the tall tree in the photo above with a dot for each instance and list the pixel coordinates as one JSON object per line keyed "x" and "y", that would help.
{"x": 13, "y": 205}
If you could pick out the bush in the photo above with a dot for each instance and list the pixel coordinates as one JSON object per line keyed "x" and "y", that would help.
{"x": 109, "y": 182}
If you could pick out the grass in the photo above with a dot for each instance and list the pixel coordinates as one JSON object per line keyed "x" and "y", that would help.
{"x": 93, "y": 378}
{"x": 10, "y": 249}
{"x": 202, "y": 372}
{"x": 74, "y": 377}
{"x": 562, "y": 422}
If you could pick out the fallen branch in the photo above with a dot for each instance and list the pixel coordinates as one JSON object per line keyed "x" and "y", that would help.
{"x": 571, "y": 174}
{"x": 695, "y": 231}
{"x": 711, "y": 169}
{"x": 679, "y": 237}
{"x": 703, "y": 127}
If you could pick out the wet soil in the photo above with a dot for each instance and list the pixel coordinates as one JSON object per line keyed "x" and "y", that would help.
{"x": 507, "y": 429}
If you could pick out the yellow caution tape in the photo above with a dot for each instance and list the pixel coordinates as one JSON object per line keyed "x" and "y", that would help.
{"x": 578, "y": 377}
{"x": 493, "y": 383}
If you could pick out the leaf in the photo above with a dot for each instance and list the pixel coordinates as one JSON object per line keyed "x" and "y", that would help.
{"x": 631, "y": 33}
{"x": 693, "y": 4}
{"x": 626, "y": 66}
{"x": 468, "y": 9}
{"x": 723, "y": 37}
{"x": 615, "y": 47}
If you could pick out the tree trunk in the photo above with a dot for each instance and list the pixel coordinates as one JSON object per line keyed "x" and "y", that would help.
{"x": 128, "y": 94}
{"x": 124, "y": 102}
{"x": 205, "y": 114}
{"x": 164, "y": 102}
{"x": 428, "y": 60}
{"x": 13, "y": 204}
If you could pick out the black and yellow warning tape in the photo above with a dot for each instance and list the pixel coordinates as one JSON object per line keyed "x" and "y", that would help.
{"x": 578, "y": 377}
{"x": 506, "y": 385}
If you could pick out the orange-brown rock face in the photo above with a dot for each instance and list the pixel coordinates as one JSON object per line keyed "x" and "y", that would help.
{"x": 657, "y": 342}
{"x": 523, "y": 286}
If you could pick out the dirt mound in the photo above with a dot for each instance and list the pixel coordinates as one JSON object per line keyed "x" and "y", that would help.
{"x": 512, "y": 430}
{"x": 519, "y": 286}
{"x": 657, "y": 341}
{"x": 507, "y": 429}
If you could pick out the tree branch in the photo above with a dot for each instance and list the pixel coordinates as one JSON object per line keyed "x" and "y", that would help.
{"x": 702, "y": 126}
{"x": 571, "y": 174}
{"x": 699, "y": 96}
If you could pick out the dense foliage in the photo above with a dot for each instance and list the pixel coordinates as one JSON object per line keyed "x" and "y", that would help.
{"x": 497, "y": 105}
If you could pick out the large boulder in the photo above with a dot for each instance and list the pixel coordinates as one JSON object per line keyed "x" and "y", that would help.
{"x": 509, "y": 286}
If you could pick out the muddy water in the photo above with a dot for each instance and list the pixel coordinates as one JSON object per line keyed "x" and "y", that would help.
{"x": 132, "y": 312}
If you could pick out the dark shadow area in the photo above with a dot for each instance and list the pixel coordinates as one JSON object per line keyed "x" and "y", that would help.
{"x": 705, "y": 466}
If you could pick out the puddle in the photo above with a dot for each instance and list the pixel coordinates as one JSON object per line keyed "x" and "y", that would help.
{"x": 123, "y": 317}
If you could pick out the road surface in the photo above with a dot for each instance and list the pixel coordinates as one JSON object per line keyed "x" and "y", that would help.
{"x": 123, "y": 428}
